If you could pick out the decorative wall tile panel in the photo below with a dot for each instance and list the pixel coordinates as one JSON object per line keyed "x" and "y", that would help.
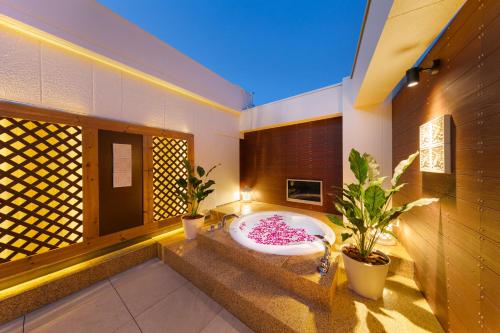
{"x": 41, "y": 195}
{"x": 435, "y": 145}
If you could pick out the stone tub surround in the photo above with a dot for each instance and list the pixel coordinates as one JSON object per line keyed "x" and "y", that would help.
{"x": 265, "y": 307}
{"x": 401, "y": 262}
{"x": 296, "y": 274}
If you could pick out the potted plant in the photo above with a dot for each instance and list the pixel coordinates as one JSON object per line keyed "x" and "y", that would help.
{"x": 192, "y": 190}
{"x": 365, "y": 205}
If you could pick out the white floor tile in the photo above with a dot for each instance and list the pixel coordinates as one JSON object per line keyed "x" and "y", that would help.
{"x": 14, "y": 326}
{"x": 225, "y": 322}
{"x": 185, "y": 310}
{"x": 145, "y": 285}
{"x": 94, "y": 309}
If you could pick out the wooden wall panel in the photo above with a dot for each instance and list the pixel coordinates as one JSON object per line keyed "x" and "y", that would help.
{"x": 311, "y": 150}
{"x": 456, "y": 243}
{"x": 92, "y": 242}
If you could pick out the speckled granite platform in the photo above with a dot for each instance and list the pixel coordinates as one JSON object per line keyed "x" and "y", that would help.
{"x": 266, "y": 307}
{"x": 297, "y": 274}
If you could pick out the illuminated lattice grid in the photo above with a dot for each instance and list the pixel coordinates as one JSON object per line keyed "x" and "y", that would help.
{"x": 168, "y": 157}
{"x": 40, "y": 187}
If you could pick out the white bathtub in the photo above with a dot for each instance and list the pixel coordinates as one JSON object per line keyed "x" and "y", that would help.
{"x": 282, "y": 233}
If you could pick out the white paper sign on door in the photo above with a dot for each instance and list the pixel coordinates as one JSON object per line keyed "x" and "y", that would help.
{"x": 122, "y": 165}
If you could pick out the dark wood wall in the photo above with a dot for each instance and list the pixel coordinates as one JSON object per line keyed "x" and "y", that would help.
{"x": 455, "y": 243}
{"x": 310, "y": 150}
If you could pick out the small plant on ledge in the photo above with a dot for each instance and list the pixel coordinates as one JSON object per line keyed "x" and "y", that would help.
{"x": 192, "y": 190}
{"x": 366, "y": 206}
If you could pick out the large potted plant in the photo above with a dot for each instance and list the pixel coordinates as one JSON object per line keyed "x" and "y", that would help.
{"x": 192, "y": 190}
{"x": 366, "y": 206}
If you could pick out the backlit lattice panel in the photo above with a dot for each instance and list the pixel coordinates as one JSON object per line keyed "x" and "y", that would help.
{"x": 41, "y": 195}
{"x": 168, "y": 157}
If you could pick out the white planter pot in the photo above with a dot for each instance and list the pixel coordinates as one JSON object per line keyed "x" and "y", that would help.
{"x": 191, "y": 226}
{"x": 365, "y": 279}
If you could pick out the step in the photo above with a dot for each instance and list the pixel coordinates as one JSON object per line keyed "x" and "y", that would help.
{"x": 296, "y": 274}
{"x": 260, "y": 304}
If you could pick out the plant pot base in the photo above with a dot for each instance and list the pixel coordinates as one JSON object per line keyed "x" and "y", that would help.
{"x": 365, "y": 279}
{"x": 192, "y": 226}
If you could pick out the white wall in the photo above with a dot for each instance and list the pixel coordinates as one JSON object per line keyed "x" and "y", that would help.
{"x": 316, "y": 104}
{"x": 35, "y": 72}
{"x": 368, "y": 130}
{"x": 94, "y": 27}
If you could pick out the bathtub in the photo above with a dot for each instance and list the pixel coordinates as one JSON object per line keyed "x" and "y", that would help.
{"x": 281, "y": 233}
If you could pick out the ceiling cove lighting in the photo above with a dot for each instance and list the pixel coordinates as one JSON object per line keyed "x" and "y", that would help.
{"x": 413, "y": 74}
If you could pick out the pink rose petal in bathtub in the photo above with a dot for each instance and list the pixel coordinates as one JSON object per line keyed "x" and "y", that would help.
{"x": 242, "y": 226}
{"x": 274, "y": 230}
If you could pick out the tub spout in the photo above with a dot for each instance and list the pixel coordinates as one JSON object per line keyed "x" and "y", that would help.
{"x": 324, "y": 262}
{"x": 224, "y": 218}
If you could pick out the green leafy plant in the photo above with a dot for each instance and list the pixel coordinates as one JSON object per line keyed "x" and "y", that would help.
{"x": 365, "y": 204}
{"x": 195, "y": 188}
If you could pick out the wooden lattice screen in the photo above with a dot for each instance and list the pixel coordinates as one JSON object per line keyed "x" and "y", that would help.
{"x": 41, "y": 195}
{"x": 168, "y": 157}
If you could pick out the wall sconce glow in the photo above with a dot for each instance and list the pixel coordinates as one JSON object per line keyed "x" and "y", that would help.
{"x": 246, "y": 194}
{"x": 435, "y": 145}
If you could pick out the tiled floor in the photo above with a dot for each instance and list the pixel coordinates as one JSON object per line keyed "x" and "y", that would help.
{"x": 150, "y": 297}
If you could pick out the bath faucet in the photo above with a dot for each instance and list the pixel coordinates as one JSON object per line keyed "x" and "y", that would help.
{"x": 222, "y": 223}
{"x": 324, "y": 262}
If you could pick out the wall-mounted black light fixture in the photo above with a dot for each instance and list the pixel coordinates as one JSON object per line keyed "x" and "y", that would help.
{"x": 413, "y": 74}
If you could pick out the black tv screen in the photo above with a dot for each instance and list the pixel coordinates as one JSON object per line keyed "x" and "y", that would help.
{"x": 304, "y": 191}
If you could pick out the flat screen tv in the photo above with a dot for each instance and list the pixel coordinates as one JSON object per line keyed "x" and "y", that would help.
{"x": 305, "y": 191}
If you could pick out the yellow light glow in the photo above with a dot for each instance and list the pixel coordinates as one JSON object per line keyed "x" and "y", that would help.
{"x": 41, "y": 201}
{"x": 435, "y": 145}
{"x": 59, "y": 42}
{"x": 31, "y": 284}
{"x": 295, "y": 122}
{"x": 246, "y": 195}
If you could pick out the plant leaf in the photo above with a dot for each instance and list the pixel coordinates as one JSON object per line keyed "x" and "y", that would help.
{"x": 336, "y": 220}
{"x": 394, "y": 189}
{"x": 374, "y": 200}
{"x": 373, "y": 167}
{"x": 182, "y": 182}
{"x": 212, "y": 169}
{"x": 201, "y": 171}
{"x": 345, "y": 236}
{"x": 359, "y": 166}
{"x": 419, "y": 203}
{"x": 385, "y": 231}
{"x": 395, "y": 212}
{"x": 401, "y": 168}
{"x": 378, "y": 181}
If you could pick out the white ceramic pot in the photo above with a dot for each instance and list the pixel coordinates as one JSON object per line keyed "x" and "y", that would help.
{"x": 191, "y": 226}
{"x": 365, "y": 279}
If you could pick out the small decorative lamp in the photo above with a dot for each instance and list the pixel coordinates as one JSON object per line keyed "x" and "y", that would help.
{"x": 246, "y": 194}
